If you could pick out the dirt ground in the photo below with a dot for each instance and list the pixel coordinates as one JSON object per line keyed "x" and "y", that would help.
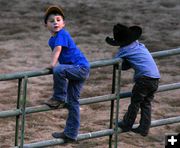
{"x": 23, "y": 47}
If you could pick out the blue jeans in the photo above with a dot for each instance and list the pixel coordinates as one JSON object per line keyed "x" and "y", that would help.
{"x": 68, "y": 82}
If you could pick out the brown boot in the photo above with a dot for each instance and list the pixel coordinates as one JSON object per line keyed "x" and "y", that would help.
{"x": 54, "y": 103}
{"x": 63, "y": 136}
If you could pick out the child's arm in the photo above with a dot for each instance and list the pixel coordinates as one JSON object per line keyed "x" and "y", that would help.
{"x": 125, "y": 64}
{"x": 55, "y": 55}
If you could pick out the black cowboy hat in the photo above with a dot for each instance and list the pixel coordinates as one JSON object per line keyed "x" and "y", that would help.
{"x": 124, "y": 35}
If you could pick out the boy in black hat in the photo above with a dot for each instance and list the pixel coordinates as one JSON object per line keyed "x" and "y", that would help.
{"x": 135, "y": 55}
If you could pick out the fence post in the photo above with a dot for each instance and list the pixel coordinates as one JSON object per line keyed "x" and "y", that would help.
{"x": 17, "y": 107}
{"x": 117, "y": 103}
{"x": 23, "y": 107}
{"x": 112, "y": 104}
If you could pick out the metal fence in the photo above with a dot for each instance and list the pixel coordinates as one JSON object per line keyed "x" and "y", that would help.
{"x": 21, "y": 109}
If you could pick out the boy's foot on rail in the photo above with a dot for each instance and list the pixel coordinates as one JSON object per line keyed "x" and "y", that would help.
{"x": 54, "y": 103}
{"x": 63, "y": 136}
{"x": 123, "y": 126}
{"x": 140, "y": 131}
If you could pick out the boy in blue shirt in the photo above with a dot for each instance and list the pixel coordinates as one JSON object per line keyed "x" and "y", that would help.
{"x": 135, "y": 55}
{"x": 70, "y": 69}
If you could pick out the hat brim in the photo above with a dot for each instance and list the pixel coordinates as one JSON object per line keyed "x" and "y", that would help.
{"x": 111, "y": 41}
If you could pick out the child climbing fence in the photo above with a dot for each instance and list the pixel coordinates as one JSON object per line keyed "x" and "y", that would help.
{"x": 114, "y": 97}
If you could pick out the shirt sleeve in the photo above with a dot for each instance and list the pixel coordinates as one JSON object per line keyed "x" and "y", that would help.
{"x": 61, "y": 40}
{"x": 121, "y": 54}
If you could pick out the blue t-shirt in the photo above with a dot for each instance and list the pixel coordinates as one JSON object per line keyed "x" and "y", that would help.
{"x": 140, "y": 60}
{"x": 70, "y": 53}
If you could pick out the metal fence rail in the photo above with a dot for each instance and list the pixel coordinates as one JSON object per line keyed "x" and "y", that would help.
{"x": 85, "y": 101}
{"x": 101, "y": 133}
{"x": 41, "y": 72}
{"x": 95, "y": 64}
{"x": 21, "y": 109}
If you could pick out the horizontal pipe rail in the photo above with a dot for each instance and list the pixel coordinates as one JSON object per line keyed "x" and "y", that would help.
{"x": 85, "y": 101}
{"x": 94, "y": 64}
{"x": 35, "y": 73}
{"x": 101, "y": 133}
{"x": 165, "y": 53}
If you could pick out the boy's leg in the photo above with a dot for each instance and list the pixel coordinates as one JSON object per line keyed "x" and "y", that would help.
{"x": 145, "y": 120}
{"x": 139, "y": 91}
{"x": 59, "y": 86}
{"x": 76, "y": 76}
{"x": 73, "y": 119}
{"x": 60, "y": 82}
{"x": 62, "y": 73}
{"x": 133, "y": 108}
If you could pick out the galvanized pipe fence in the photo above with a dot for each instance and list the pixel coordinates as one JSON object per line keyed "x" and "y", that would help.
{"x": 21, "y": 109}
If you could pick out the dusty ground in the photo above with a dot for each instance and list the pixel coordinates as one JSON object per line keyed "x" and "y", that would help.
{"x": 23, "y": 46}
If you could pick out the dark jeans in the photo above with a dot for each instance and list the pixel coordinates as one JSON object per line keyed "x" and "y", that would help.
{"x": 142, "y": 95}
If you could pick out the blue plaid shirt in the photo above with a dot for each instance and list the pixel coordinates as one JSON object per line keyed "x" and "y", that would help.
{"x": 140, "y": 60}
